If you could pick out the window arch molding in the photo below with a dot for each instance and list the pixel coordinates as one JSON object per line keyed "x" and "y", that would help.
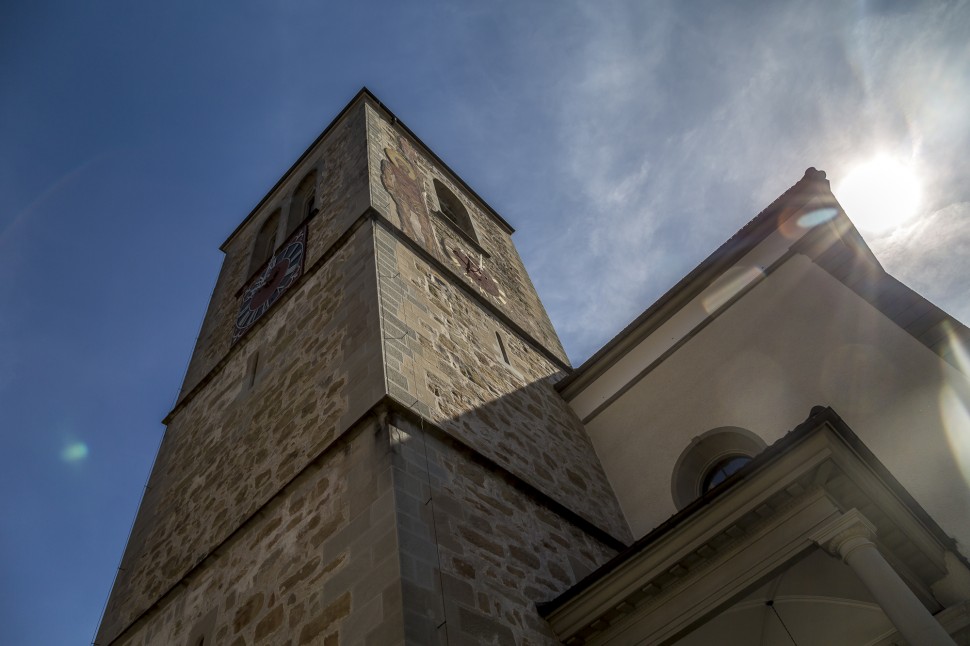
{"x": 707, "y": 453}
{"x": 452, "y": 208}
{"x": 302, "y": 202}
{"x": 265, "y": 242}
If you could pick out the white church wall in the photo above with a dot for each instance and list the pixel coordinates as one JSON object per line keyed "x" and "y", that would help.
{"x": 748, "y": 270}
{"x": 798, "y": 339}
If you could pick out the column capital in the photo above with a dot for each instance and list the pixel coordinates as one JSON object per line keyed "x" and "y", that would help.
{"x": 844, "y": 534}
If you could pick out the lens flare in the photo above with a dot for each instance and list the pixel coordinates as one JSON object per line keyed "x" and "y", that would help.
{"x": 955, "y": 406}
{"x": 732, "y": 283}
{"x": 956, "y": 421}
{"x": 74, "y": 452}
{"x": 817, "y": 217}
{"x": 955, "y": 349}
{"x": 880, "y": 194}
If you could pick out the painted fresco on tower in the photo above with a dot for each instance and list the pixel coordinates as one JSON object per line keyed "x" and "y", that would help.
{"x": 476, "y": 271}
{"x": 400, "y": 177}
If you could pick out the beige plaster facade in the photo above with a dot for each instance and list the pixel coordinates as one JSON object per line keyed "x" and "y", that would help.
{"x": 765, "y": 361}
{"x": 792, "y": 315}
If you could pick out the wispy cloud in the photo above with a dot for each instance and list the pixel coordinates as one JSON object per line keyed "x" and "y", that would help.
{"x": 677, "y": 128}
{"x": 929, "y": 255}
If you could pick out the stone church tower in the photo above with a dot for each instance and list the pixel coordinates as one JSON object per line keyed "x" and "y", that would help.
{"x": 367, "y": 448}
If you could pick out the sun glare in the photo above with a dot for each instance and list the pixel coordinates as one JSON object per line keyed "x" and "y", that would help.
{"x": 880, "y": 194}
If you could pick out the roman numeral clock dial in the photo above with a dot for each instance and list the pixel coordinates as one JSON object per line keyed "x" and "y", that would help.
{"x": 279, "y": 274}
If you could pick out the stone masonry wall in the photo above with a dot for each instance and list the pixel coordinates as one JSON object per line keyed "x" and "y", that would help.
{"x": 319, "y": 566}
{"x": 339, "y": 164}
{"x": 375, "y": 318}
{"x": 248, "y": 432}
{"x": 444, "y": 361}
{"x": 477, "y": 553}
{"x": 401, "y": 183}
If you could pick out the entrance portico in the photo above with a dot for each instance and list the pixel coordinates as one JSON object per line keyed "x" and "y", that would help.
{"x": 760, "y": 555}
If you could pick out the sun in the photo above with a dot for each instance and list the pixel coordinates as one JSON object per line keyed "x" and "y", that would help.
{"x": 880, "y": 194}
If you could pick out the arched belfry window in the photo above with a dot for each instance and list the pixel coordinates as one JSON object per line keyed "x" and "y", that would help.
{"x": 265, "y": 242}
{"x": 303, "y": 204}
{"x": 710, "y": 459}
{"x": 451, "y": 207}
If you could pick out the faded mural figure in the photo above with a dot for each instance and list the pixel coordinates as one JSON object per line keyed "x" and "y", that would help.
{"x": 400, "y": 178}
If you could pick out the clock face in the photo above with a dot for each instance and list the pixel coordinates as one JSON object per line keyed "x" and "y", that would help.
{"x": 280, "y": 273}
{"x": 476, "y": 272}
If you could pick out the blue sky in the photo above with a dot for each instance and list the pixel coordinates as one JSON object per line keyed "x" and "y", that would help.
{"x": 624, "y": 141}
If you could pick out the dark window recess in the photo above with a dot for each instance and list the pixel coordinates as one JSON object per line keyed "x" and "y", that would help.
{"x": 451, "y": 207}
{"x": 501, "y": 347}
{"x": 303, "y": 204}
{"x": 265, "y": 242}
{"x": 309, "y": 207}
{"x": 252, "y": 369}
{"x": 723, "y": 470}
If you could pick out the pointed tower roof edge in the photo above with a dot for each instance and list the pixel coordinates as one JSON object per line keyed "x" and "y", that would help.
{"x": 362, "y": 93}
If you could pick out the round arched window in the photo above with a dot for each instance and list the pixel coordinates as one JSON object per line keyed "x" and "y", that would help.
{"x": 723, "y": 470}
{"x": 710, "y": 459}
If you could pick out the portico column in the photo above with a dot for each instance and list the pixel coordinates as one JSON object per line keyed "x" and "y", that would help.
{"x": 850, "y": 538}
